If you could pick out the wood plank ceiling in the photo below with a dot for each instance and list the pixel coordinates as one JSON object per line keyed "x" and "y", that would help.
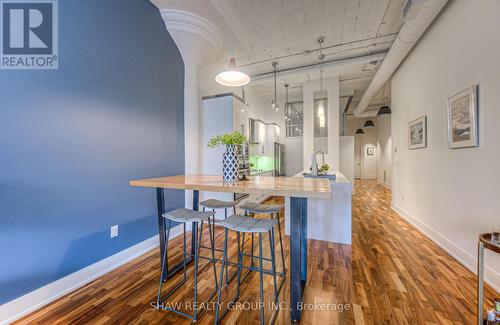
{"x": 287, "y": 31}
{"x": 258, "y": 32}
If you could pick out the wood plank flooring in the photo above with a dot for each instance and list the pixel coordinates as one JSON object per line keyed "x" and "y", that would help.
{"x": 392, "y": 274}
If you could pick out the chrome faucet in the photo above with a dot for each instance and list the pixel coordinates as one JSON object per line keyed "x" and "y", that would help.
{"x": 322, "y": 156}
{"x": 314, "y": 165}
{"x": 314, "y": 162}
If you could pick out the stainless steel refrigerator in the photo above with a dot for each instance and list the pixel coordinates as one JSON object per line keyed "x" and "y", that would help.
{"x": 279, "y": 159}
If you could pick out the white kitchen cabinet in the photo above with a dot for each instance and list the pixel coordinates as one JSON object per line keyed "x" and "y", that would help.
{"x": 257, "y": 136}
{"x": 262, "y": 134}
{"x": 240, "y": 117}
{"x": 219, "y": 114}
{"x": 272, "y": 136}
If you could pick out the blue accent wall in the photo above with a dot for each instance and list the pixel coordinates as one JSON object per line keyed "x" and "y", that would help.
{"x": 71, "y": 139}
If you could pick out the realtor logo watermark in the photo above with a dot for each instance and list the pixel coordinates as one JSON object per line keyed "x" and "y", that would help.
{"x": 29, "y": 34}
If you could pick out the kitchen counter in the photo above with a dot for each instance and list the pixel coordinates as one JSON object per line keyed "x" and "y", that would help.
{"x": 262, "y": 172}
{"x": 329, "y": 220}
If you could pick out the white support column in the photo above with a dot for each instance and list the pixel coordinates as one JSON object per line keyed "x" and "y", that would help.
{"x": 331, "y": 85}
{"x": 308, "y": 132}
{"x": 199, "y": 42}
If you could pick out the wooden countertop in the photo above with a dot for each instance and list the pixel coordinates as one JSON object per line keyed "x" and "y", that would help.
{"x": 281, "y": 186}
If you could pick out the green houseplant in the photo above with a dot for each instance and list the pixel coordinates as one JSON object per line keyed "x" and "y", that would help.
{"x": 230, "y": 157}
{"x": 228, "y": 139}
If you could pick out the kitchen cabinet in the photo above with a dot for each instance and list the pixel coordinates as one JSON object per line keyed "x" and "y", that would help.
{"x": 257, "y": 136}
{"x": 220, "y": 114}
{"x": 257, "y": 131}
{"x": 272, "y": 136}
{"x": 263, "y": 136}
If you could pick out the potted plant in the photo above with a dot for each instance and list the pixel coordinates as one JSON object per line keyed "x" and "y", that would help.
{"x": 230, "y": 157}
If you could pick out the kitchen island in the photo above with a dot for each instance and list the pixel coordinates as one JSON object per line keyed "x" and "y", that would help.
{"x": 328, "y": 220}
{"x": 297, "y": 191}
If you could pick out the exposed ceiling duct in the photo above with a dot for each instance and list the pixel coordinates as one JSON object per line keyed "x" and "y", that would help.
{"x": 317, "y": 66}
{"x": 419, "y": 17}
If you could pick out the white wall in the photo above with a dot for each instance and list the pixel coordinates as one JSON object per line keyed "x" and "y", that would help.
{"x": 293, "y": 155}
{"x": 384, "y": 150}
{"x": 452, "y": 195}
{"x": 369, "y": 162}
{"x": 347, "y": 157}
{"x": 369, "y": 139}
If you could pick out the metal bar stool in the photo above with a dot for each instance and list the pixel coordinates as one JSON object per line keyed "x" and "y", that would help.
{"x": 245, "y": 224}
{"x": 219, "y": 204}
{"x": 252, "y": 208}
{"x": 184, "y": 216}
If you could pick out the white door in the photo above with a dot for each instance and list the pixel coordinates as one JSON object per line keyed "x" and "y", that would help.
{"x": 357, "y": 156}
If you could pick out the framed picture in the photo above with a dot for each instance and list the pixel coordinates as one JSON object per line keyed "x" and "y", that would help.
{"x": 462, "y": 119}
{"x": 417, "y": 133}
{"x": 370, "y": 151}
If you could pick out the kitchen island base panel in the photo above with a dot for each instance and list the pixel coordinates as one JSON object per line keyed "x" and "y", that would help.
{"x": 329, "y": 220}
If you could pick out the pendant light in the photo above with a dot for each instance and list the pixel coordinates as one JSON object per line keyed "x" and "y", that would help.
{"x": 232, "y": 77}
{"x": 321, "y": 106}
{"x": 274, "y": 102}
{"x": 384, "y": 111}
{"x": 360, "y": 131}
{"x": 369, "y": 124}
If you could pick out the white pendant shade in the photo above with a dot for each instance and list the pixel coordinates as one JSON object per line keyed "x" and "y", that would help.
{"x": 232, "y": 77}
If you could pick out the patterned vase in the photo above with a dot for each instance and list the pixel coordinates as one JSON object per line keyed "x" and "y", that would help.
{"x": 230, "y": 164}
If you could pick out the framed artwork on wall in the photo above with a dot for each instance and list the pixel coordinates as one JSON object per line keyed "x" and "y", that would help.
{"x": 370, "y": 151}
{"x": 417, "y": 133}
{"x": 462, "y": 119}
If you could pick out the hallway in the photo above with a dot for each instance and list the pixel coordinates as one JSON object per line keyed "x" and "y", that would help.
{"x": 395, "y": 276}
{"x": 401, "y": 276}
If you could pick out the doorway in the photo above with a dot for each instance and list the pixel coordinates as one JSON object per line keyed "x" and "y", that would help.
{"x": 358, "y": 142}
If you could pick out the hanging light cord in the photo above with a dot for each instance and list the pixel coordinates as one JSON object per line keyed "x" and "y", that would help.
{"x": 286, "y": 102}
{"x": 322, "y": 59}
{"x": 275, "y": 96}
{"x": 234, "y": 24}
{"x": 286, "y": 88}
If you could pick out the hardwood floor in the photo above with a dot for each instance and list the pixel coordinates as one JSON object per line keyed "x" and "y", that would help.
{"x": 392, "y": 274}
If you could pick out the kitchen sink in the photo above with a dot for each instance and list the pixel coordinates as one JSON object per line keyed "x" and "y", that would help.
{"x": 329, "y": 176}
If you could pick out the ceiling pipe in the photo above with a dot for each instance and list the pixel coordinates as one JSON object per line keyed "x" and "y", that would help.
{"x": 316, "y": 66}
{"x": 413, "y": 28}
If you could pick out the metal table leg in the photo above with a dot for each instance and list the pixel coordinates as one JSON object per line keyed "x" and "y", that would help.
{"x": 194, "y": 232}
{"x": 298, "y": 254}
{"x": 162, "y": 229}
{"x": 480, "y": 282}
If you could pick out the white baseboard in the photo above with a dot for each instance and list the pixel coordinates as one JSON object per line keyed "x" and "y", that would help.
{"x": 466, "y": 259}
{"x": 38, "y": 298}
{"x": 369, "y": 177}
